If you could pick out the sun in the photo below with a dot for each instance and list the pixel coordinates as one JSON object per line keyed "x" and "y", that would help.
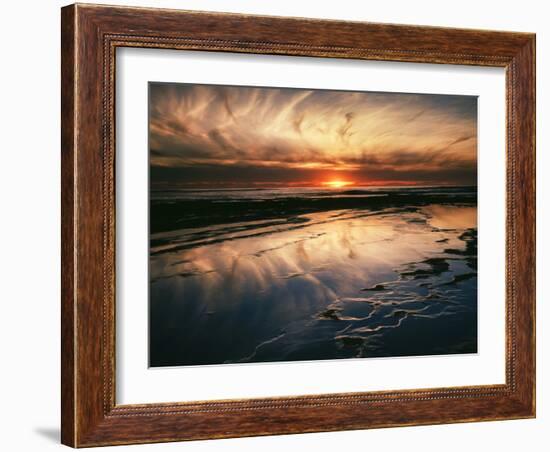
{"x": 337, "y": 183}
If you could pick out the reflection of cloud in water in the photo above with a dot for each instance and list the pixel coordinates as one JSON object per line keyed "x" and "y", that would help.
{"x": 445, "y": 217}
{"x": 335, "y": 284}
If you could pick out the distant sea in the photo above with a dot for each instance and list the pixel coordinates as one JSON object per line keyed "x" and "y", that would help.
{"x": 221, "y": 194}
{"x": 287, "y": 274}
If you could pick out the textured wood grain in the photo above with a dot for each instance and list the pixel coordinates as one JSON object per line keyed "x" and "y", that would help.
{"x": 68, "y": 244}
{"x": 90, "y": 36}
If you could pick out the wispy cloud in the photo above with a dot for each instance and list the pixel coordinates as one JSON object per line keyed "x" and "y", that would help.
{"x": 310, "y": 134}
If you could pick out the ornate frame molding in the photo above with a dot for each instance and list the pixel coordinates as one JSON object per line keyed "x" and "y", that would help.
{"x": 90, "y": 37}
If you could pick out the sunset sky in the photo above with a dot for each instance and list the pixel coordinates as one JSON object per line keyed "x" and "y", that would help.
{"x": 213, "y": 136}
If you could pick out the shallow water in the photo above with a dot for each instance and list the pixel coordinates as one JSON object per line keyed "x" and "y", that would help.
{"x": 344, "y": 283}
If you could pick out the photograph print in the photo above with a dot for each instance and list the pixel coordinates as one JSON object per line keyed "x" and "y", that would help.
{"x": 291, "y": 224}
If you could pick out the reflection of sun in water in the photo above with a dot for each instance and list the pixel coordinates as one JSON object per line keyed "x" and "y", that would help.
{"x": 337, "y": 183}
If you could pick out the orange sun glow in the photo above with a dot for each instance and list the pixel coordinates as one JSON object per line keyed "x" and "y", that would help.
{"x": 337, "y": 183}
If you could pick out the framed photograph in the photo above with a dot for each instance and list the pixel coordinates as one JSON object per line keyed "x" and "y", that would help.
{"x": 280, "y": 225}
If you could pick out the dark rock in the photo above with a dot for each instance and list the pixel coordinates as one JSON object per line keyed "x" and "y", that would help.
{"x": 376, "y": 288}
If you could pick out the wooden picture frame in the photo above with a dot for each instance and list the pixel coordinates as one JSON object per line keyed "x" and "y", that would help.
{"x": 90, "y": 36}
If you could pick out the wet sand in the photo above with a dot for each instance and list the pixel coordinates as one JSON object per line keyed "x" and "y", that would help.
{"x": 325, "y": 277}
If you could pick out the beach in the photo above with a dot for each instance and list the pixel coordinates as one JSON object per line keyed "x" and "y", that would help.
{"x": 287, "y": 274}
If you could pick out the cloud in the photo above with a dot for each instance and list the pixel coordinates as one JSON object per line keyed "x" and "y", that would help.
{"x": 297, "y": 124}
{"x": 461, "y": 139}
{"x": 225, "y": 128}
